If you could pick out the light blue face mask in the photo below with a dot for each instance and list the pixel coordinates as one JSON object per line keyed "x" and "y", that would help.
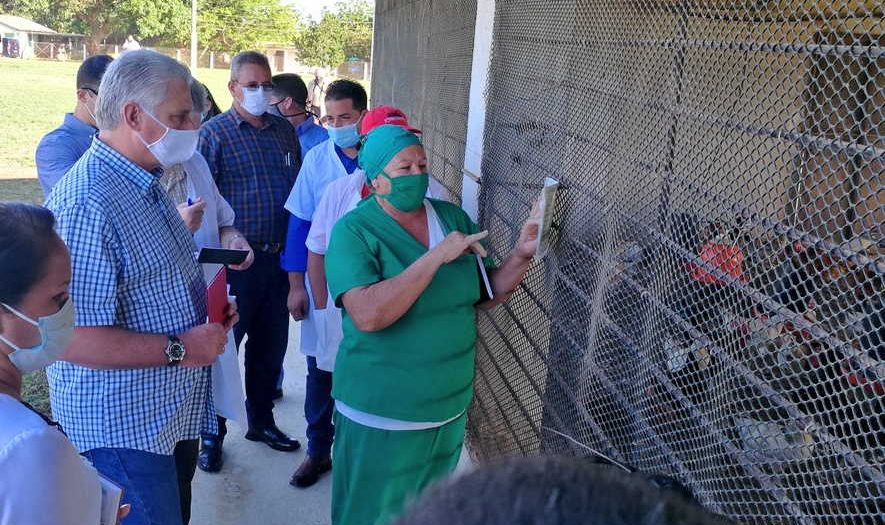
{"x": 55, "y": 333}
{"x": 345, "y": 136}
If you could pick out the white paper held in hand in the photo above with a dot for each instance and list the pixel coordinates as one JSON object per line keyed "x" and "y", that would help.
{"x": 485, "y": 276}
{"x": 547, "y": 203}
{"x": 111, "y": 496}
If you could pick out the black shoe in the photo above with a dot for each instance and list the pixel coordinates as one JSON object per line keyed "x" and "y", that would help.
{"x": 310, "y": 471}
{"x": 277, "y": 394}
{"x": 210, "y": 459}
{"x": 274, "y": 438}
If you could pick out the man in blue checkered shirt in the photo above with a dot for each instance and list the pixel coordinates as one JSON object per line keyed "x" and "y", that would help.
{"x": 255, "y": 157}
{"x": 134, "y": 387}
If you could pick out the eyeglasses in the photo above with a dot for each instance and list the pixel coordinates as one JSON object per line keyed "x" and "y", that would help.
{"x": 252, "y": 86}
{"x": 89, "y": 89}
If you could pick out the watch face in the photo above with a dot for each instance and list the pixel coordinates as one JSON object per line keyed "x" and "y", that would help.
{"x": 175, "y": 351}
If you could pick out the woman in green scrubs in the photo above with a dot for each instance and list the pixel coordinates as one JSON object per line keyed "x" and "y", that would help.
{"x": 404, "y": 269}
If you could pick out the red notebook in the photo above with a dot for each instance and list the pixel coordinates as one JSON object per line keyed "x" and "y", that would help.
{"x": 216, "y": 296}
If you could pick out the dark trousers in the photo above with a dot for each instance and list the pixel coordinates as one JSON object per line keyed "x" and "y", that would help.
{"x": 185, "y": 454}
{"x": 318, "y": 409}
{"x": 261, "y": 293}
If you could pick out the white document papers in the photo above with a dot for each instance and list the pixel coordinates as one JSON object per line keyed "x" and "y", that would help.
{"x": 547, "y": 202}
{"x": 111, "y": 495}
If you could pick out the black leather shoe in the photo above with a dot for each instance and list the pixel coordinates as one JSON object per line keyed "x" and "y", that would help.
{"x": 274, "y": 438}
{"x": 310, "y": 471}
{"x": 210, "y": 459}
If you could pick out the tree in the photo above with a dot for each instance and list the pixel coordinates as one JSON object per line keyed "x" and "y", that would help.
{"x": 343, "y": 32}
{"x": 238, "y": 25}
{"x": 160, "y": 20}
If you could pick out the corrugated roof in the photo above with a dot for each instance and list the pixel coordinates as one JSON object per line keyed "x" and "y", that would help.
{"x": 23, "y": 24}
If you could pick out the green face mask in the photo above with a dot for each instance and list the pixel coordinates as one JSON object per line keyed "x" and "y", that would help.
{"x": 406, "y": 192}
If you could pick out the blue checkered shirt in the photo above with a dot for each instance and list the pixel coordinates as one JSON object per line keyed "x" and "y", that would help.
{"x": 133, "y": 268}
{"x": 254, "y": 169}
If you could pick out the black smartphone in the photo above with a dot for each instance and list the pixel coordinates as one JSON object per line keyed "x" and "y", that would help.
{"x": 220, "y": 256}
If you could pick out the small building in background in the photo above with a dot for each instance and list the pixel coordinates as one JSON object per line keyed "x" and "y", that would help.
{"x": 24, "y": 38}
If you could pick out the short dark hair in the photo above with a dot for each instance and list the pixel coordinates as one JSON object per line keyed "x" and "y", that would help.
{"x": 290, "y": 85}
{"x": 247, "y": 57}
{"x": 27, "y": 238}
{"x": 91, "y": 70}
{"x": 553, "y": 490}
{"x": 348, "y": 89}
{"x": 213, "y": 110}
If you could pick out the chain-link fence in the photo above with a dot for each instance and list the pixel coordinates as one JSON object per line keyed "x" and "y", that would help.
{"x": 714, "y": 305}
{"x": 422, "y": 59}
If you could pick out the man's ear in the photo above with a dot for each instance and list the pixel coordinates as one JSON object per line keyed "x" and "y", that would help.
{"x": 83, "y": 96}
{"x": 133, "y": 116}
{"x": 232, "y": 87}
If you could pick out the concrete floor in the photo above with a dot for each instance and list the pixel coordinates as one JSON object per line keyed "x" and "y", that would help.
{"x": 253, "y": 486}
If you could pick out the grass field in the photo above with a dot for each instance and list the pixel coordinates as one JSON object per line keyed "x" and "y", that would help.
{"x": 35, "y": 96}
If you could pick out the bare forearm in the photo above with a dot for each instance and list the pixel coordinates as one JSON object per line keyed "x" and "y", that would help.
{"x": 296, "y": 280}
{"x": 378, "y": 306}
{"x": 317, "y": 272}
{"x": 506, "y": 278}
{"x": 108, "y": 347}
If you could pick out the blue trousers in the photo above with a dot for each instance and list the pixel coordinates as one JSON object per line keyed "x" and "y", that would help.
{"x": 157, "y": 486}
{"x": 261, "y": 293}
{"x": 318, "y": 410}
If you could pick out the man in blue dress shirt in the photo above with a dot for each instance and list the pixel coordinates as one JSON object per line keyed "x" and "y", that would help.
{"x": 255, "y": 157}
{"x": 62, "y": 147}
{"x": 289, "y": 100}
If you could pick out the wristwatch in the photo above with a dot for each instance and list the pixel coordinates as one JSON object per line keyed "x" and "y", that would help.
{"x": 175, "y": 351}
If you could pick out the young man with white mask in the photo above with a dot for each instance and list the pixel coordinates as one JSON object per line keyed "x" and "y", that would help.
{"x": 132, "y": 389}
{"x": 255, "y": 157}
{"x": 333, "y": 159}
{"x": 62, "y": 147}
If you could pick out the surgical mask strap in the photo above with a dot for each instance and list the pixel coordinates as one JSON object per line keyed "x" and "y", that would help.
{"x": 20, "y": 315}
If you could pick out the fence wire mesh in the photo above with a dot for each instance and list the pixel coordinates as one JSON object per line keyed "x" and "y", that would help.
{"x": 714, "y": 306}
{"x": 423, "y": 55}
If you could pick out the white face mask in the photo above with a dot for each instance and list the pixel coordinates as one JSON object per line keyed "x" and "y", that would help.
{"x": 174, "y": 146}
{"x": 55, "y": 333}
{"x": 256, "y": 100}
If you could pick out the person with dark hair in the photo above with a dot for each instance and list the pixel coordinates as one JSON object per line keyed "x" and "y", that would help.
{"x": 410, "y": 273}
{"x": 132, "y": 390}
{"x": 255, "y": 157}
{"x": 62, "y": 147}
{"x": 44, "y": 481}
{"x": 333, "y": 159}
{"x": 212, "y": 110}
{"x": 289, "y": 101}
{"x": 551, "y": 490}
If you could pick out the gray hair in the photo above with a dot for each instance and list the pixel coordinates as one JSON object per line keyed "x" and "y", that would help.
{"x": 247, "y": 57}
{"x": 199, "y": 97}
{"x": 137, "y": 76}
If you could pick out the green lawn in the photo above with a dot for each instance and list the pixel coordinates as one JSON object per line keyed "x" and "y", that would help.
{"x": 37, "y": 94}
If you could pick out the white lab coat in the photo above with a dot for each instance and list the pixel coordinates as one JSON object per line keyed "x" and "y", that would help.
{"x": 321, "y": 167}
{"x": 227, "y": 386}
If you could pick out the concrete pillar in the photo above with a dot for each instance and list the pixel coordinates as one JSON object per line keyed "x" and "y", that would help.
{"x": 178, "y": 55}
{"x": 212, "y": 60}
{"x": 476, "y": 118}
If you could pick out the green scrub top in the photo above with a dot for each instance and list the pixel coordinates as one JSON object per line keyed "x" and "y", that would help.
{"x": 421, "y": 367}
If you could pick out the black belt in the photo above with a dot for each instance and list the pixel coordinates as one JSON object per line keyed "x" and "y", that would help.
{"x": 267, "y": 247}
